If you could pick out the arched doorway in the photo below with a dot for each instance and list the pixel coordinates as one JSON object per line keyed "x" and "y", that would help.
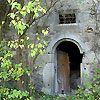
{"x": 53, "y": 63}
{"x": 68, "y": 63}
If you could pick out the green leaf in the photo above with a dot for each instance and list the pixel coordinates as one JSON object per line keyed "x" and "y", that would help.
{"x": 22, "y": 27}
{"x": 36, "y": 14}
{"x": 40, "y": 45}
{"x": 32, "y": 9}
{"x": 36, "y": 49}
{"x": 90, "y": 86}
{"x": 44, "y": 10}
{"x": 18, "y": 6}
{"x": 33, "y": 53}
{"x": 12, "y": 15}
{"x": 38, "y": 38}
{"x": 28, "y": 10}
{"x": 27, "y": 25}
{"x": 13, "y": 5}
{"x": 9, "y": 1}
{"x": 23, "y": 13}
{"x": 3, "y": 22}
{"x": 41, "y": 52}
{"x": 45, "y": 32}
{"x": 32, "y": 45}
{"x": 45, "y": 43}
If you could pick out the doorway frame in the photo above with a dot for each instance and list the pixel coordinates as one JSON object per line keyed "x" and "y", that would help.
{"x": 51, "y": 49}
{"x": 56, "y": 64}
{"x": 56, "y": 68}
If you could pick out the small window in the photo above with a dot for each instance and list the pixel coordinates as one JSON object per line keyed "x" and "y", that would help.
{"x": 67, "y": 18}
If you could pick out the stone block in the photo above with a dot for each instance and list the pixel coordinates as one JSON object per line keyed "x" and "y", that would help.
{"x": 48, "y": 75}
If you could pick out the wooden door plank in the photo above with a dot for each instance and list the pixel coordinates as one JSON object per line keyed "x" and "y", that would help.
{"x": 63, "y": 78}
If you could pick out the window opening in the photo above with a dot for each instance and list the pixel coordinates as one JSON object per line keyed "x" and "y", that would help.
{"x": 67, "y": 18}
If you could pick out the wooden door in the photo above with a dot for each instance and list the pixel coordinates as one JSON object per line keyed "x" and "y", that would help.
{"x": 63, "y": 73}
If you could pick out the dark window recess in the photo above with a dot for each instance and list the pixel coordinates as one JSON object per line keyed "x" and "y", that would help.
{"x": 67, "y": 18}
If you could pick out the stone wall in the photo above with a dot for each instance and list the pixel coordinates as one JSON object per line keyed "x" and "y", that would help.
{"x": 77, "y": 32}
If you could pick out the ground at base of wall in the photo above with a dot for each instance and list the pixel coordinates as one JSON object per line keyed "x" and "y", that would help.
{"x": 43, "y": 96}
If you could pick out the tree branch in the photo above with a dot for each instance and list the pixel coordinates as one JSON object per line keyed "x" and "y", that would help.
{"x": 30, "y": 22}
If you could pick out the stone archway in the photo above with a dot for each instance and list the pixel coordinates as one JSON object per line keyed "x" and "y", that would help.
{"x": 66, "y": 37}
{"x": 52, "y": 51}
